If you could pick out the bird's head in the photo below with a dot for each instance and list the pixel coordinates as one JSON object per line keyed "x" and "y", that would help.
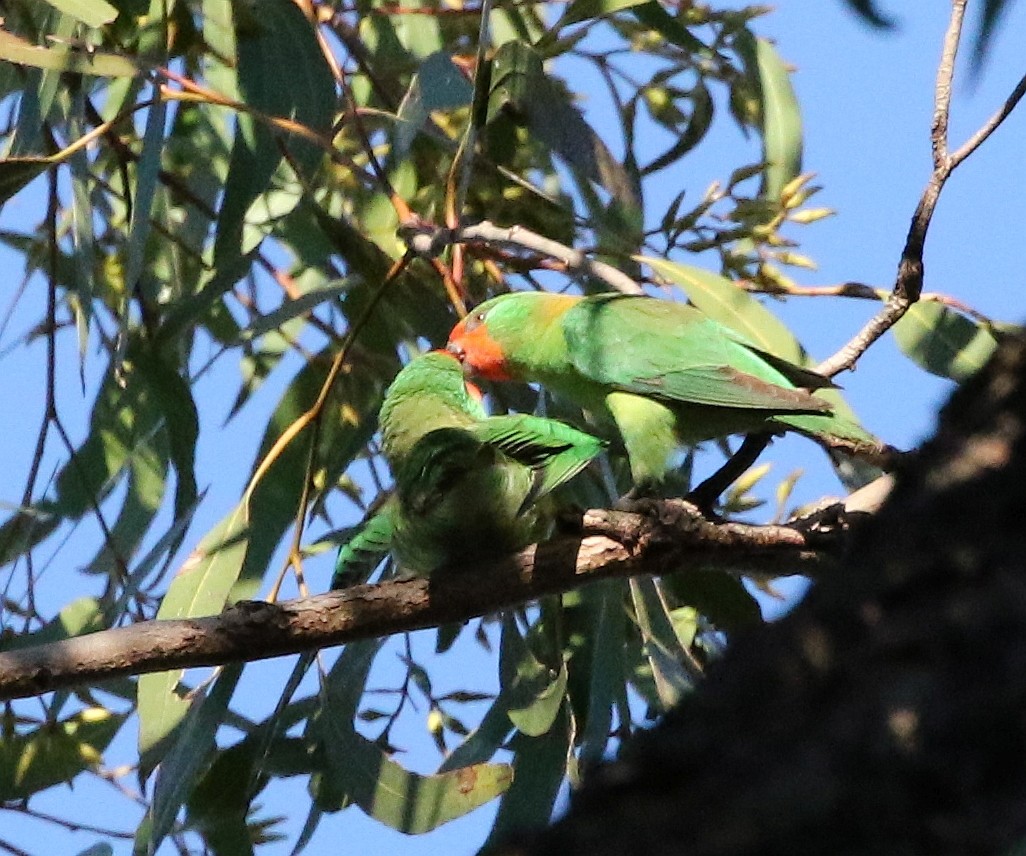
{"x": 472, "y": 343}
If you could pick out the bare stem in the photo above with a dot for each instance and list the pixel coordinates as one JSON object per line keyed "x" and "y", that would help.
{"x": 908, "y": 285}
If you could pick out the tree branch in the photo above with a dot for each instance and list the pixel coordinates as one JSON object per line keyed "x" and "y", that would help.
{"x": 670, "y": 536}
{"x": 428, "y": 240}
{"x": 909, "y": 283}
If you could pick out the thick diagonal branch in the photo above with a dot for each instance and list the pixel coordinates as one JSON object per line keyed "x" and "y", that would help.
{"x": 670, "y": 537}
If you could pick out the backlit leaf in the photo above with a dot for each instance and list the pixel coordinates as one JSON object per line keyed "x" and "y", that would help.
{"x": 944, "y": 342}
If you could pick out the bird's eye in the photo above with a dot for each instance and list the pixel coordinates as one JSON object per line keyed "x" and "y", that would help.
{"x": 473, "y": 321}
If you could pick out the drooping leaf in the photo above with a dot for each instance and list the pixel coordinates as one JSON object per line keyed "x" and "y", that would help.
{"x": 148, "y": 170}
{"x": 519, "y": 84}
{"x": 173, "y": 396}
{"x": 595, "y": 628}
{"x": 92, "y": 13}
{"x": 65, "y": 58}
{"x": 201, "y": 587}
{"x": 437, "y": 85}
{"x": 944, "y": 342}
{"x": 84, "y": 615}
{"x": 652, "y": 14}
{"x": 988, "y": 23}
{"x": 359, "y": 771}
{"x": 720, "y": 597}
{"x": 533, "y": 692}
{"x": 181, "y": 765}
{"x": 779, "y": 113}
{"x": 206, "y": 577}
{"x": 482, "y": 743}
{"x": 15, "y": 173}
{"x": 665, "y": 650}
{"x": 281, "y": 72}
{"x": 538, "y": 770}
{"x": 583, "y": 10}
{"x": 55, "y": 752}
{"x": 871, "y": 14}
{"x": 698, "y": 124}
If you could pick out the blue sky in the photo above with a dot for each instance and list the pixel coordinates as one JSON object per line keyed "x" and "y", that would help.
{"x": 867, "y": 100}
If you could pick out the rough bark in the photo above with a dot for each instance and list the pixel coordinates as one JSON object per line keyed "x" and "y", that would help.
{"x": 887, "y": 713}
{"x": 671, "y": 536}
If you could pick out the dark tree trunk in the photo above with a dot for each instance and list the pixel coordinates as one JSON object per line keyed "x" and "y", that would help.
{"x": 887, "y": 714}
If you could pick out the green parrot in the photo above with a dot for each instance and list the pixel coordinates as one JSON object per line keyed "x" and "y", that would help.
{"x": 468, "y": 486}
{"x": 665, "y": 373}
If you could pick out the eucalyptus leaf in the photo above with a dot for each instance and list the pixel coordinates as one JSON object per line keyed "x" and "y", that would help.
{"x": 944, "y": 342}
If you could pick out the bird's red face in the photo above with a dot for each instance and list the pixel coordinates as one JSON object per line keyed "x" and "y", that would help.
{"x": 472, "y": 344}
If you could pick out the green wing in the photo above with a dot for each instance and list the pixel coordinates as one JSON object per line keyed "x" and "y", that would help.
{"x": 365, "y": 548}
{"x": 555, "y": 451}
{"x": 673, "y": 352}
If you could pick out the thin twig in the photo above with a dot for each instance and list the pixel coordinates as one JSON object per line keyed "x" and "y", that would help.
{"x": 942, "y": 90}
{"x": 991, "y": 125}
{"x": 908, "y": 286}
{"x": 70, "y": 825}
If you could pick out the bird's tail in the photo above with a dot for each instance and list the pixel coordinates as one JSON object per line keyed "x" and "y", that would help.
{"x": 840, "y": 433}
{"x": 368, "y": 545}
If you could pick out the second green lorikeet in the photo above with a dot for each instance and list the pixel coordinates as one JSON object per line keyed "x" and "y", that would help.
{"x": 468, "y": 486}
{"x": 664, "y": 372}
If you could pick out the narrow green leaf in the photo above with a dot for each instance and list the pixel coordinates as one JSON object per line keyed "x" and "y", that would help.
{"x": 65, "y": 58}
{"x": 596, "y": 663}
{"x": 84, "y": 615}
{"x": 190, "y": 752}
{"x": 871, "y": 14}
{"x": 406, "y": 801}
{"x": 437, "y": 85}
{"x": 663, "y": 648}
{"x": 358, "y": 771}
{"x": 92, "y": 13}
{"x": 147, "y": 172}
{"x": 162, "y": 709}
{"x": 483, "y": 742}
{"x": 720, "y": 597}
{"x": 281, "y": 72}
{"x": 147, "y": 480}
{"x": 519, "y": 84}
{"x": 208, "y": 574}
{"x": 16, "y": 173}
{"x": 200, "y": 588}
{"x": 780, "y": 114}
{"x": 583, "y": 10}
{"x": 699, "y": 122}
{"x": 54, "y": 753}
{"x": 290, "y": 309}
{"x": 533, "y": 693}
{"x": 539, "y": 766}
{"x": 944, "y": 342}
{"x": 219, "y": 804}
{"x": 653, "y": 15}
{"x": 82, "y": 237}
{"x": 173, "y": 396}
